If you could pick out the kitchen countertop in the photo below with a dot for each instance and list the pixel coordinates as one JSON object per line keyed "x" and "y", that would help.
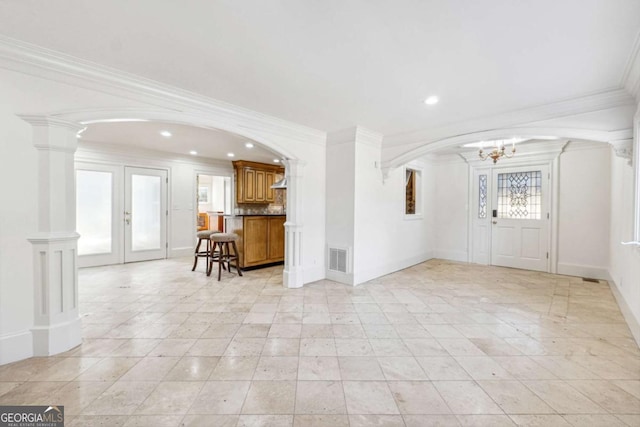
{"x": 229, "y": 216}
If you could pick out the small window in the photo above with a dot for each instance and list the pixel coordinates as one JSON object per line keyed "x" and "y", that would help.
{"x": 412, "y": 187}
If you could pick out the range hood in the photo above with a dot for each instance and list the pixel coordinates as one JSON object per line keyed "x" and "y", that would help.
{"x": 282, "y": 184}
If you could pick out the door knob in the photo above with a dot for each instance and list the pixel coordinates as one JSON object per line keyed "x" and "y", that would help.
{"x": 494, "y": 222}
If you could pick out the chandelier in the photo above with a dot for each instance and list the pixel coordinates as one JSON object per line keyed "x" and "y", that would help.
{"x": 499, "y": 151}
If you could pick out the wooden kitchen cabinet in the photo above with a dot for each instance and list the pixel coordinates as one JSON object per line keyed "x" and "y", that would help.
{"x": 249, "y": 186}
{"x": 256, "y": 240}
{"x": 275, "y": 246}
{"x": 254, "y": 181}
{"x": 270, "y": 178}
{"x": 261, "y": 238}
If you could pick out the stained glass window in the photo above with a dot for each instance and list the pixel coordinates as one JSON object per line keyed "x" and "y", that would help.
{"x": 482, "y": 198}
{"x": 410, "y": 192}
{"x": 520, "y": 195}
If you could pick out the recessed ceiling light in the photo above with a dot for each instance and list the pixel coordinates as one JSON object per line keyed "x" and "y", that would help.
{"x": 193, "y": 152}
{"x": 248, "y": 145}
{"x": 230, "y": 155}
{"x": 276, "y": 160}
{"x": 165, "y": 133}
{"x": 432, "y": 100}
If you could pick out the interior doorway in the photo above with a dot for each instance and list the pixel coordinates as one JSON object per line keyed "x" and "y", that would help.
{"x": 213, "y": 199}
{"x": 121, "y": 214}
{"x": 511, "y": 217}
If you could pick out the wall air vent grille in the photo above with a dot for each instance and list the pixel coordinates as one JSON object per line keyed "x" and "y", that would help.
{"x": 338, "y": 260}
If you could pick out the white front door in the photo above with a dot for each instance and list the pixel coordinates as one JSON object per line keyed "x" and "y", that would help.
{"x": 520, "y": 218}
{"x": 145, "y": 214}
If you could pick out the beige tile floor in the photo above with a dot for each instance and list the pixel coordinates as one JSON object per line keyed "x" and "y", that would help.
{"x": 440, "y": 343}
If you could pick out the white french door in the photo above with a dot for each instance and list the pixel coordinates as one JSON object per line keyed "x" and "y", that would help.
{"x": 520, "y": 218}
{"x": 121, "y": 214}
{"x": 145, "y": 214}
{"x": 98, "y": 211}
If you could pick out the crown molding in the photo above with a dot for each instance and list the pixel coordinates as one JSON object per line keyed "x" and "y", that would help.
{"x": 343, "y": 136}
{"x": 631, "y": 75}
{"x": 568, "y": 107}
{"x": 95, "y": 151}
{"x": 368, "y": 137}
{"x": 45, "y": 63}
{"x": 357, "y": 135}
{"x": 578, "y": 145}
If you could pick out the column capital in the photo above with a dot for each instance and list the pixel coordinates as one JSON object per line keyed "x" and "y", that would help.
{"x": 49, "y": 121}
{"x": 294, "y": 166}
{"x": 53, "y": 134}
{"x": 623, "y": 148}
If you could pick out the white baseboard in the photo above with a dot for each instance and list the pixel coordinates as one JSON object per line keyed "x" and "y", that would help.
{"x": 587, "y": 271}
{"x": 375, "y": 271}
{"x": 460, "y": 256}
{"x": 181, "y": 252}
{"x": 58, "y": 338}
{"x": 339, "y": 277}
{"x": 632, "y": 321}
{"x": 313, "y": 274}
{"x": 16, "y": 347}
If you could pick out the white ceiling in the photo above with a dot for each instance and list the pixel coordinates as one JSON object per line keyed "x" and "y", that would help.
{"x": 207, "y": 143}
{"x": 332, "y": 64}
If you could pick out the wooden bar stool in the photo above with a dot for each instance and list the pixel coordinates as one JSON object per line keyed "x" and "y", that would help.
{"x": 202, "y": 236}
{"x": 223, "y": 255}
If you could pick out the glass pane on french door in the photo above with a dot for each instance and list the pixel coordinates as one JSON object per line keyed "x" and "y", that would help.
{"x": 97, "y": 214}
{"x": 145, "y": 214}
{"x": 146, "y": 203}
{"x": 94, "y": 209}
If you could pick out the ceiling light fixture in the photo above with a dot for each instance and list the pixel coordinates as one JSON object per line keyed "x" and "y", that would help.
{"x": 193, "y": 152}
{"x": 498, "y": 149}
{"x": 248, "y": 145}
{"x": 230, "y": 155}
{"x": 432, "y": 100}
{"x": 165, "y": 133}
{"x": 276, "y": 160}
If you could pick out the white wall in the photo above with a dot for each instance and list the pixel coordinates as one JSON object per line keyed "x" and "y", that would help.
{"x": 450, "y": 208}
{"x": 340, "y": 195}
{"x": 366, "y": 213}
{"x": 624, "y": 260}
{"x": 583, "y": 222}
{"x": 387, "y": 240}
{"x": 18, "y": 207}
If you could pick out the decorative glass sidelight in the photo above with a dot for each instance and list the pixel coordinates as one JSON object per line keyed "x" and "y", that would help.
{"x": 482, "y": 196}
{"x": 520, "y": 195}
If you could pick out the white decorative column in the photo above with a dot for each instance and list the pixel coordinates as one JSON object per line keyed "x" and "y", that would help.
{"x": 293, "y": 269}
{"x": 56, "y": 319}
